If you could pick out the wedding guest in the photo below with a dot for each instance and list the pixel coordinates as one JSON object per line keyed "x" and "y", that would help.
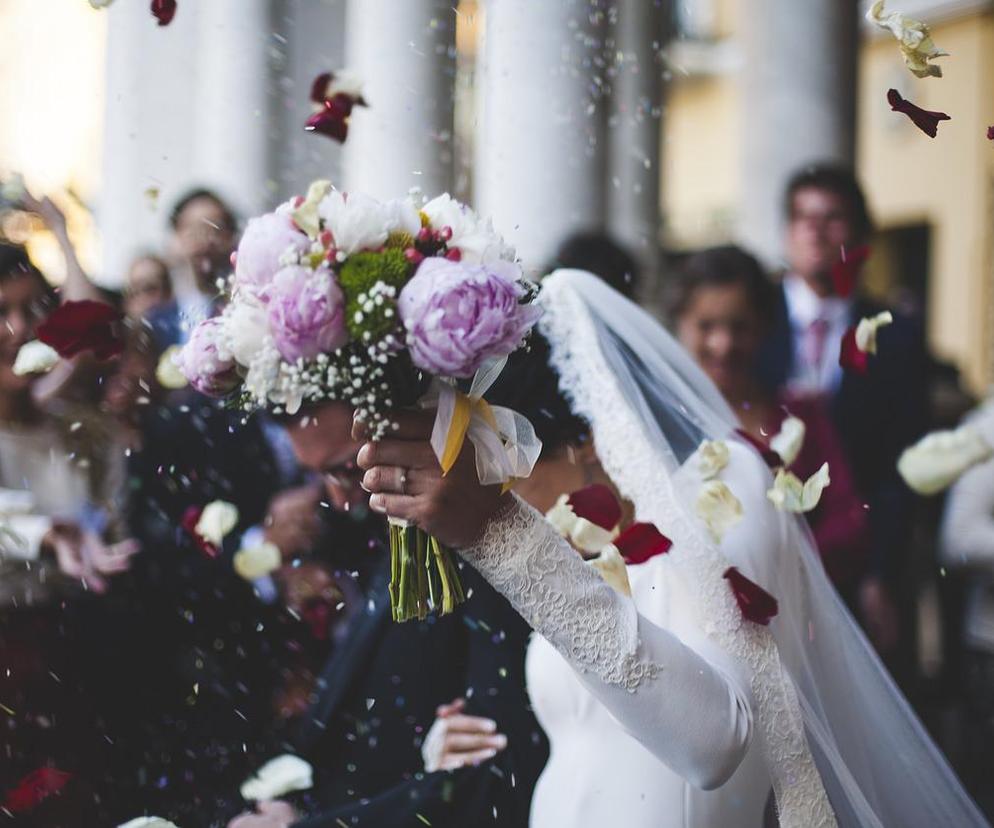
{"x": 147, "y": 285}
{"x": 58, "y": 513}
{"x": 382, "y": 686}
{"x": 204, "y": 230}
{"x": 599, "y": 254}
{"x": 877, "y": 414}
{"x": 967, "y": 548}
{"x": 721, "y": 308}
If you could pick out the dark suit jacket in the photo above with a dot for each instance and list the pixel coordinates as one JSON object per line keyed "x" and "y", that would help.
{"x": 877, "y": 416}
{"x": 377, "y": 700}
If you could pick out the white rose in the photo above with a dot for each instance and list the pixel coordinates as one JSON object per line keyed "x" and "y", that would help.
{"x": 789, "y": 494}
{"x": 217, "y": 520}
{"x": 939, "y": 458}
{"x": 866, "y": 331}
{"x": 788, "y": 441}
{"x": 278, "y": 777}
{"x": 612, "y": 568}
{"x": 718, "y": 508}
{"x": 167, "y": 372}
{"x": 246, "y": 327}
{"x": 35, "y": 358}
{"x": 711, "y": 458}
{"x": 256, "y": 561}
{"x": 148, "y": 822}
{"x": 476, "y": 239}
{"x": 360, "y": 222}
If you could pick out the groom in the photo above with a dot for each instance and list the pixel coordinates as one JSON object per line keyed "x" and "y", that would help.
{"x": 380, "y": 689}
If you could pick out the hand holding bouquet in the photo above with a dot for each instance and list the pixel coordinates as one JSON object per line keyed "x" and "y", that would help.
{"x": 380, "y": 305}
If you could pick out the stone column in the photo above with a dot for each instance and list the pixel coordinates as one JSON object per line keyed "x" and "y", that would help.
{"x": 540, "y": 157}
{"x": 634, "y": 123}
{"x": 404, "y": 52}
{"x": 233, "y": 125}
{"x": 797, "y": 92}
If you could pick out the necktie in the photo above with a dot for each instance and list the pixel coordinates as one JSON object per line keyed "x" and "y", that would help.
{"x": 814, "y": 347}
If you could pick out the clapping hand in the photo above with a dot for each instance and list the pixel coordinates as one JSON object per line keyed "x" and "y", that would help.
{"x": 82, "y": 554}
{"x": 405, "y": 481}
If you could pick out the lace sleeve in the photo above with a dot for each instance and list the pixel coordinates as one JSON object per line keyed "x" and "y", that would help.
{"x": 681, "y": 707}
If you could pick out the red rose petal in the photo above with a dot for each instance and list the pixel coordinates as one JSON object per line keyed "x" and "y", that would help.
{"x": 756, "y": 603}
{"x": 318, "y": 87}
{"x": 34, "y": 788}
{"x": 845, "y": 272}
{"x": 990, "y": 133}
{"x": 164, "y": 11}
{"x": 189, "y": 521}
{"x": 770, "y": 457}
{"x": 851, "y": 358}
{"x": 597, "y": 504}
{"x": 642, "y": 541}
{"x": 924, "y": 119}
{"x": 75, "y": 327}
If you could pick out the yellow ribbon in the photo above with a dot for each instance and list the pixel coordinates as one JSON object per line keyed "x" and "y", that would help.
{"x": 464, "y": 409}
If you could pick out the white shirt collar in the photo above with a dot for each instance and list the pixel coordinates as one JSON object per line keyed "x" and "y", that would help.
{"x": 804, "y": 306}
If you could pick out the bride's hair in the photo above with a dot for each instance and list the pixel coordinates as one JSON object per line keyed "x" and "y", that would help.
{"x": 530, "y": 385}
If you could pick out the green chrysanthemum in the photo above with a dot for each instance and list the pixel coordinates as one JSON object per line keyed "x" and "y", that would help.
{"x": 371, "y": 282}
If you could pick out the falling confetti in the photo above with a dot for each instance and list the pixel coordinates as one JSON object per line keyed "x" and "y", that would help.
{"x": 335, "y": 95}
{"x": 926, "y": 120}
{"x": 164, "y": 11}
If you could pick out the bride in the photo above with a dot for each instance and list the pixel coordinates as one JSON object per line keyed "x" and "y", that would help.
{"x": 670, "y": 708}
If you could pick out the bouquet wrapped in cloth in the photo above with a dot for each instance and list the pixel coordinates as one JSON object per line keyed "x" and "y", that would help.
{"x": 379, "y": 305}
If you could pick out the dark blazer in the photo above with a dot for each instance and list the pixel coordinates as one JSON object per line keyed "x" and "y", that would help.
{"x": 377, "y": 699}
{"x": 877, "y": 415}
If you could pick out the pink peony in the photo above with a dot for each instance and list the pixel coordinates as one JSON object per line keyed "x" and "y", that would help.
{"x": 459, "y": 315}
{"x": 266, "y": 239}
{"x": 306, "y": 313}
{"x": 205, "y": 363}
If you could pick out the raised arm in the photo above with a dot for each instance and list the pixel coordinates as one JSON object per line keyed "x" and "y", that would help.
{"x": 692, "y": 714}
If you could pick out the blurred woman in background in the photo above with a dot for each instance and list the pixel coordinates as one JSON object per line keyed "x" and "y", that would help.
{"x": 720, "y": 309}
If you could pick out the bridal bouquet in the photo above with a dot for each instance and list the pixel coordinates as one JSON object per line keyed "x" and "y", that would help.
{"x": 380, "y": 305}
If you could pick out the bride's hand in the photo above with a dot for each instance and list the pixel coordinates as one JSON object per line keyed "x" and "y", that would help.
{"x": 405, "y": 481}
{"x": 456, "y": 740}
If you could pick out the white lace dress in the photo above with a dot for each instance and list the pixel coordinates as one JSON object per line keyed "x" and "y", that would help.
{"x": 650, "y": 722}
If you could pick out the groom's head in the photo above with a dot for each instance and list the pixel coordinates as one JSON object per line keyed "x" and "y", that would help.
{"x": 322, "y": 440}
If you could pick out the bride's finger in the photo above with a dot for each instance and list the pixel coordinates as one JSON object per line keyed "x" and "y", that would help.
{"x": 396, "y": 480}
{"x": 410, "y": 454}
{"x": 404, "y": 507}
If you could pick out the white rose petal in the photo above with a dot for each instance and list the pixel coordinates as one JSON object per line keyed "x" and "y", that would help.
{"x": 167, "y": 372}
{"x": 582, "y": 533}
{"x": 246, "y": 327}
{"x": 103, "y": 4}
{"x": 148, "y": 822}
{"x": 789, "y": 494}
{"x": 256, "y": 561}
{"x": 914, "y": 38}
{"x": 612, "y": 568}
{"x": 217, "y": 520}
{"x": 866, "y": 331}
{"x": 788, "y": 441}
{"x": 278, "y": 777}
{"x": 718, "y": 508}
{"x": 712, "y": 457}
{"x": 474, "y": 237}
{"x": 35, "y": 358}
{"x": 939, "y": 458}
{"x": 344, "y": 82}
{"x": 306, "y": 215}
{"x": 360, "y": 222}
